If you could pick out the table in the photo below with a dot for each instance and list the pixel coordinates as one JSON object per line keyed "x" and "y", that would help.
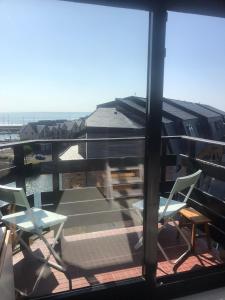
{"x": 196, "y": 218}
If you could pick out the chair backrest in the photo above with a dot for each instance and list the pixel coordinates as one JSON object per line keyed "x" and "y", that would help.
{"x": 13, "y": 195}
{"x": 182, "y": 183}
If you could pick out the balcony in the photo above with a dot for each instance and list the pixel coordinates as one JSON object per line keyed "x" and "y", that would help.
{"x": 103, "y": 227}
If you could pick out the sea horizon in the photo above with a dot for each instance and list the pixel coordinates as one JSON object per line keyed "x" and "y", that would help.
{"x": 22, "y": 118}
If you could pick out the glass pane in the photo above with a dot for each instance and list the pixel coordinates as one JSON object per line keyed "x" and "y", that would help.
{"x": 193, "y": 108}
{"x": 77, "y": 74}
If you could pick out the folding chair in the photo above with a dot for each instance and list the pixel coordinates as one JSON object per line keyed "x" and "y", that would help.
{"x": 32, "y": 220}
{"x": 168, "y": 209}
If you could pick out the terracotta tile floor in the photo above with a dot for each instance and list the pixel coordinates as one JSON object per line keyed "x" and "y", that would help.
{"x": 101, "y": 257}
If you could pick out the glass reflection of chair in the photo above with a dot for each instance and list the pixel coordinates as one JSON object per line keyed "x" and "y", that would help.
{"x": 168, "y": 209}
{"x": 32, "y": 220}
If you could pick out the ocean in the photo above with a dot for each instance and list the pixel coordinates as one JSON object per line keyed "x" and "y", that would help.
{"x": 22, "y": 118}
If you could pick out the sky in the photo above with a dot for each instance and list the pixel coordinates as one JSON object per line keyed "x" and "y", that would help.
{"x": 61, "y": 56}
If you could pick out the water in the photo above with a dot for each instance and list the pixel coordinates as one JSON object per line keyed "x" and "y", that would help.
{"x": 36, "y": 185}
{"x": 9, "y": 136}
{"x": 26, "y": 117}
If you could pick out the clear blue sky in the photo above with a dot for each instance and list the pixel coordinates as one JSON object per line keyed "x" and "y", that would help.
{"x": 61, "y": 56}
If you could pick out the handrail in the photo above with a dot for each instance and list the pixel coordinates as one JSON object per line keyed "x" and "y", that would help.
{"x": 55, "y": 141}
{"x": 194, "y": 139}
{"x": 121, "y": 139}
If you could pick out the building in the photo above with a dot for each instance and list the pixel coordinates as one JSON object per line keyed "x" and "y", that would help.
{"x": 125, "y": 117}
{"x": 50, "y": 129}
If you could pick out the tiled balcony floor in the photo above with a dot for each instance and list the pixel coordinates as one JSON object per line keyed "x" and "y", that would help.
{"x": 101, "y": 257}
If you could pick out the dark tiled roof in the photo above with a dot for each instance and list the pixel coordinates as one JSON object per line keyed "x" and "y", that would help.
{"x": 69, "y": 124}
{"x": 216, "y": 110}
{"x": 174, "y": 111}
{"x": 193, "y": 108}
{"x": 139, "y": 100}
{"x": 132, "y": 104}
{"x": 110, "y": 118}
{"x": 40, "y": 128}
{"x": 52, "y": 127}
{"x": 107, "y": 104}
{"x": 139, "y": 104}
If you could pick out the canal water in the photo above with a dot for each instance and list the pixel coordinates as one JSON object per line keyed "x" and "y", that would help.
{"x": 38, "y": 184}
{"x": 35, "y": 185}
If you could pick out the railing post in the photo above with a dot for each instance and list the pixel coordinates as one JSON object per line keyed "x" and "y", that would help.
{"x": 55, "y": 158}
{"x": 192, "y": 149}
{"x": 19, "y": 164}
{"x": 191, "y": 154}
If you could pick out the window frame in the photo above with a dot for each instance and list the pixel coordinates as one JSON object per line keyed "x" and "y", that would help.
{"x": 156, "y": 52}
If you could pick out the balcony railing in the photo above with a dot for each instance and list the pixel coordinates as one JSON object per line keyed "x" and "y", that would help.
{"x": 191, "y": 158}
{"x": 97, "y": 218}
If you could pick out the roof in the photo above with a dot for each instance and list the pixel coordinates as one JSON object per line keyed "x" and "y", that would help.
{"x": 110, "y": 118}
{"x": 140, "y": 100}
{"x": 136, "y": 106}
{"x": 174, "y": 111}
{"x": 53, "y": 127}
{"x": 107, "y": 104}
{"x": 40, "y": 128}
{"x": 70, "y": 124}
{"x": 216, "y": 110}
{"x": 130, "y": 101}
{"x": 193, "y": 108}
{"x": 79, "y": 122}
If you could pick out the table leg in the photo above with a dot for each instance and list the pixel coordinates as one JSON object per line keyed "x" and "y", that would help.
{"x": 193, "y": 233}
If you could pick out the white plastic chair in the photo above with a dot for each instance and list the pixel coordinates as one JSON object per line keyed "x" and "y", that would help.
{"x": 168, "y": 209}
{"x": 32, "y": 220}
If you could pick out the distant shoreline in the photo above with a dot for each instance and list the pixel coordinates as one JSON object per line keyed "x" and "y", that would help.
{"x": 22, "y": 118}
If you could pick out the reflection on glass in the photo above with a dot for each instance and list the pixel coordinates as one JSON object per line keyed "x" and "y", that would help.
{"x": 76, "y": 78}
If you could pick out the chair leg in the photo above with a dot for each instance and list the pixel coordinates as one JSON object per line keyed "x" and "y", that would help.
{"x": 59, "y": 266}
{"x": 35, "y": 284}
{"x": 140, "y": 235}
{"x": 51, "y": 247}
{"x": 180, "y": 224}
{"x": 185, "y": 239}
{"x": 164, "y": 253}
{"x": 139, "y": 243}
{"x": 44, "y": 260}
{"x": 180, "y": 232}
{"x": 40, "y": 275}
